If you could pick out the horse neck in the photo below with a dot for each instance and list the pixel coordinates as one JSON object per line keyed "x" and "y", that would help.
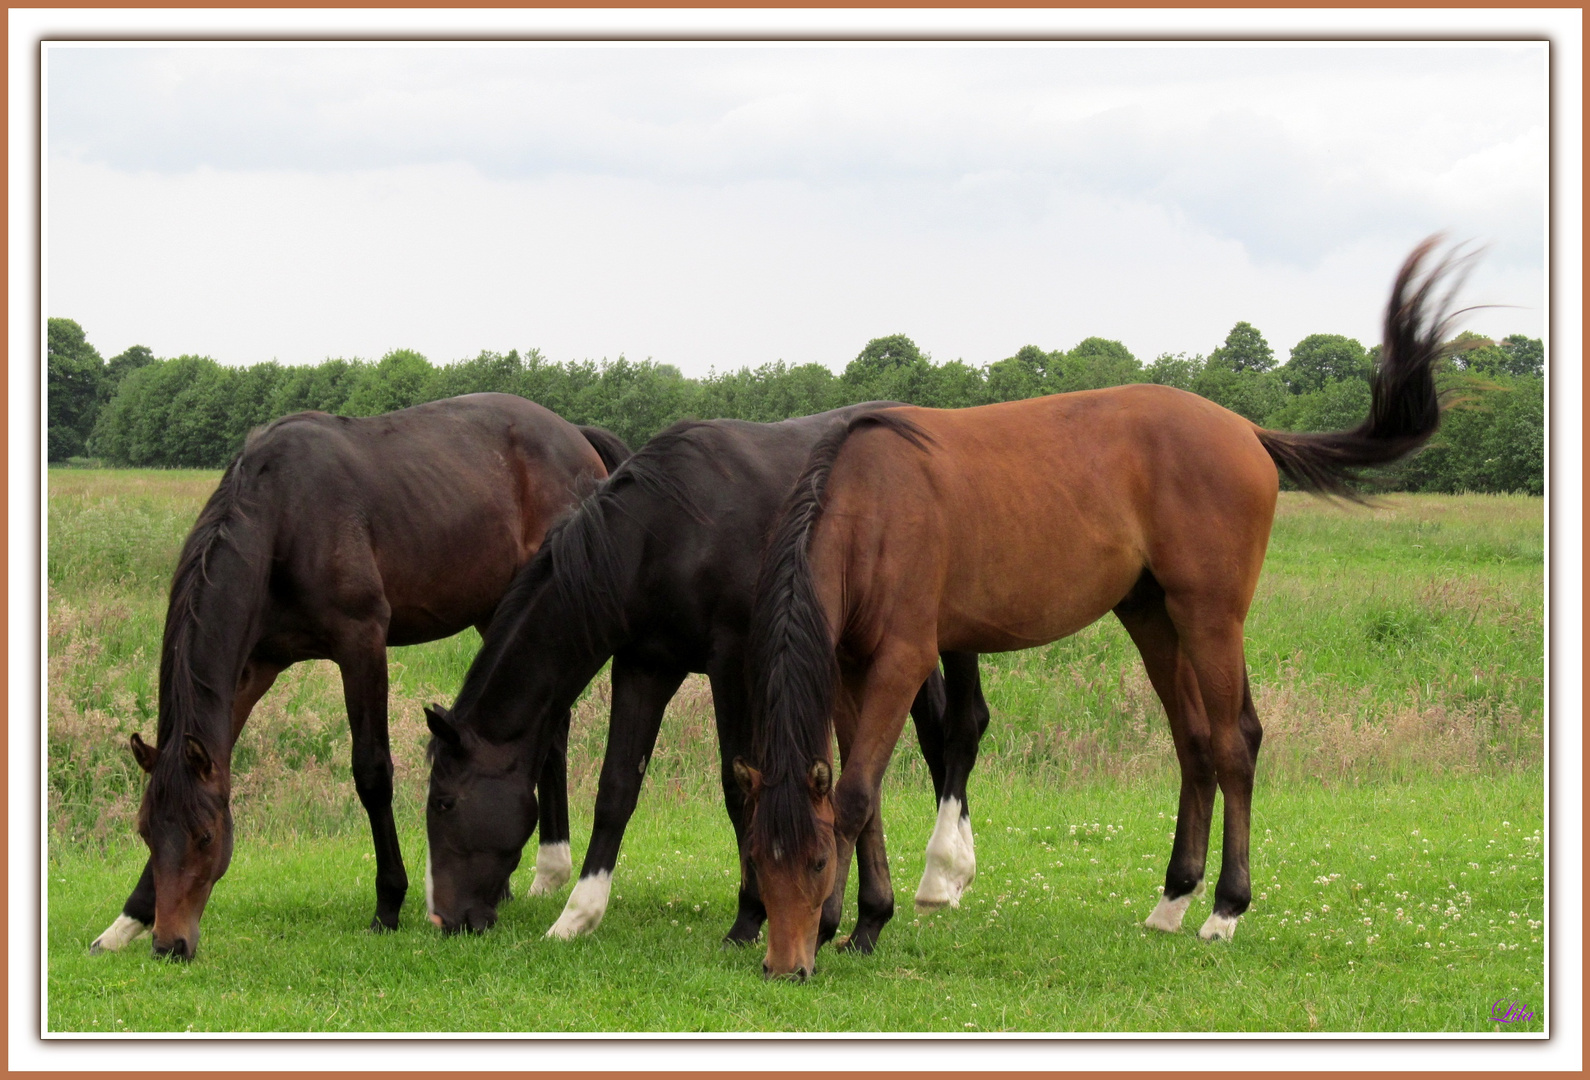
{"x": 212, "y": 624}
{"x": 539, "y": 653}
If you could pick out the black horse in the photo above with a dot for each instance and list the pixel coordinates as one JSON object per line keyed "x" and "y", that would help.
{"x": 333, "y": 538}
{"x": 656, "y": 570}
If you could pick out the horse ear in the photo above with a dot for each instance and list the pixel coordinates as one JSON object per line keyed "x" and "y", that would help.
{"x": 198, "y": 757}
{"x": 143, "y": 753}
{"x": 820, "y": 777}
{"x": 749, "y": 779}
{"x": 441, "y": 724}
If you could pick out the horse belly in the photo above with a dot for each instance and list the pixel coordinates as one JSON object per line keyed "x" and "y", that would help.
{"x": 1020, "y": 596}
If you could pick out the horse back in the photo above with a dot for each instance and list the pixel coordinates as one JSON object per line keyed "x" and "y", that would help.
{"x": 425, "y": 512}
{"x": 1023, "y": 522}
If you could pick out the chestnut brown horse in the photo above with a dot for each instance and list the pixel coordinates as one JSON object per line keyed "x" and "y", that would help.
{"x": 913, "y": 531}
{"x": 333, "y": 538}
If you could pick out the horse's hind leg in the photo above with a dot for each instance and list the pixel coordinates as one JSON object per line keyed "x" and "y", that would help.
{"x": 554, "y": 864}
{"x": 1176, "y": 683}
{"x": 1213, "y": 645}
{"x": 962, "y": 717}
{"x": 362, "y": 659}
{"x": 137, "y": 916}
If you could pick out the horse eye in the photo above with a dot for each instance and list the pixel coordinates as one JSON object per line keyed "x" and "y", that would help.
{"x": 443, "y": 805}
{"x": 204, "y": 841}
{"x": 820, "y": 864}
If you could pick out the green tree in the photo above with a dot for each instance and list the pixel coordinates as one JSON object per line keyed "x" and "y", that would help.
{"x": 1526, "y": 355}
{"x": 1178, "y": 370}
{"x": 1253, "y": 394}
{"x": 398, "y": 381}
{"x": 1019, "y": 377}
{"x": 1093, "y": 364}
{"x": 1324, "y": 358}
{"x": 1244, "y": 350}
{"x": 120, "y": 366}
{"x": 74, "y": 370}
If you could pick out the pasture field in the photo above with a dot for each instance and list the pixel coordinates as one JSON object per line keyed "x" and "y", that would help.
{"x": 1396, "y": 657}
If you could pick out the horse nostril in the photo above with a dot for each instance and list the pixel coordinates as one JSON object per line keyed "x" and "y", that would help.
{"x": 767, "y": 973}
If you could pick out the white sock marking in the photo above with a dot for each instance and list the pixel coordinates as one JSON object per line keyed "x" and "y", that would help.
{"x": 1168, "y": 914}
{"x": 554, "y": 866}
{"x": 1219, "y": 927}
{"x": 118, "y": 934}
{"x": 951, "y": 860}
{"x": 587, "y": 904}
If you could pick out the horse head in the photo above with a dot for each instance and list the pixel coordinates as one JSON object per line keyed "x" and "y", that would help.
{"x": 793, "y": 852}
{"x": 186, "y": 820}
{"x": 479, "y": 815}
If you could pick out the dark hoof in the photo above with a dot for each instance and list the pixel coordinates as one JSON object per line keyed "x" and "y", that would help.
{"x": 744, "y": 932}
{"x": 379, "y": 925}
{"x": 861, "y": 942}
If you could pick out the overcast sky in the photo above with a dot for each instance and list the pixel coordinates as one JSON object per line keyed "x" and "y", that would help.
{"x": 734, "y": 205}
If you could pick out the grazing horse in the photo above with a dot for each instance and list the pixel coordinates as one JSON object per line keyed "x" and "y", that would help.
{"x": 332, "y": 538}
{"x": 1008, "y": 526}
{"x": 655, "y": 571}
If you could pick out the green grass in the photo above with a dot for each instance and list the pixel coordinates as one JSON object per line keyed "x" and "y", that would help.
{"x": 1396, "y": 658}
{"x": 1382, "y": 908}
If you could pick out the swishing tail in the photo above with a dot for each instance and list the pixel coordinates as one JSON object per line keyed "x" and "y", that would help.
{"x": 1404, "y": 408}
{"x": 609, "y": 447}
{"x": 791, "y": 652}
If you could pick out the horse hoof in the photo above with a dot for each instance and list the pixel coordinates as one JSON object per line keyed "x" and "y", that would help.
{"x": 1219, "y": 927}
{"x": 1168, "y": 914}
{"x": 930, "y": 907}
{"x": 858, "y": 943}
{"x": 739, "y": 939}
{"x": 378, "y": 926}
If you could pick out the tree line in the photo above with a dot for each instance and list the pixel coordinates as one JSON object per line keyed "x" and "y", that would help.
{"x": 190, "y": 411}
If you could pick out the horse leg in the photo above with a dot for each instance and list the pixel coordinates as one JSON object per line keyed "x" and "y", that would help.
{"x": 868, "y": 719}
{"x": 554, "y": 863}
{"x": 951, "y": 861}
{"x": 1175, "y": 682}
{"x": 1214, "y": 647}
{"x": 874, "y": 893}
{"x": 639, "y": 697}
{"x": 137, "y": 916}
{"x": 362, "y": 659}
{"x": 731, "y": 705}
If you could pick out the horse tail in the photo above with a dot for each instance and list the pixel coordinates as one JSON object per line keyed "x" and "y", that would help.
{"x": 791, "y": 651}
{"x": 609, "y": 447}
{"x": 1404, "y": 409}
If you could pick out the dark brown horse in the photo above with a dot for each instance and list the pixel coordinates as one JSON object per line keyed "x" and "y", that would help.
{"x": 656, "y": 571}
{"x": 332, "y": 538}
{"x": 1008, "y": 526}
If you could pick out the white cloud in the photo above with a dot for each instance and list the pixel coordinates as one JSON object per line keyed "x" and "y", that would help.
{"x": 738, "y": 205}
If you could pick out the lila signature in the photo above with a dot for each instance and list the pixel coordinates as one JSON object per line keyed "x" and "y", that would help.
{"x": 1513, "y": 1014}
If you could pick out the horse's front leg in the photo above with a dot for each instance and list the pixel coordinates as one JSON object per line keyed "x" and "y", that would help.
{"x": 362, "y": 659}
{"x": 639, "y": 697}
{"x": 137, "y": 916}
{"x": 554, "y": 863}
{"x": 869, "y": 715}
{"x": 731, "y": 703}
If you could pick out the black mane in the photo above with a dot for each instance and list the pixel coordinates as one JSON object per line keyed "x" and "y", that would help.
{"x": 180, "y": 682}
{"x": 791, "y": 654}
{"x": 580, "y": 558}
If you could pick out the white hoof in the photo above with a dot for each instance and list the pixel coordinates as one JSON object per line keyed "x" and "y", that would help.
{"x": 1219, "y": 928}
{"x": 125, "y": 929}
{"x": 554, "y": 866}
{"x": 587, "y": 904}
{"x": 1168, "y": 914}
{"x": 951, "y": 860}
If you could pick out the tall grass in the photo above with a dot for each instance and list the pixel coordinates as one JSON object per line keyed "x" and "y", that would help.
{"x": 1388, "y": 642}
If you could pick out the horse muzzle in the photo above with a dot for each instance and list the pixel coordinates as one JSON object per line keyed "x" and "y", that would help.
{"x": 179, "y": 948}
